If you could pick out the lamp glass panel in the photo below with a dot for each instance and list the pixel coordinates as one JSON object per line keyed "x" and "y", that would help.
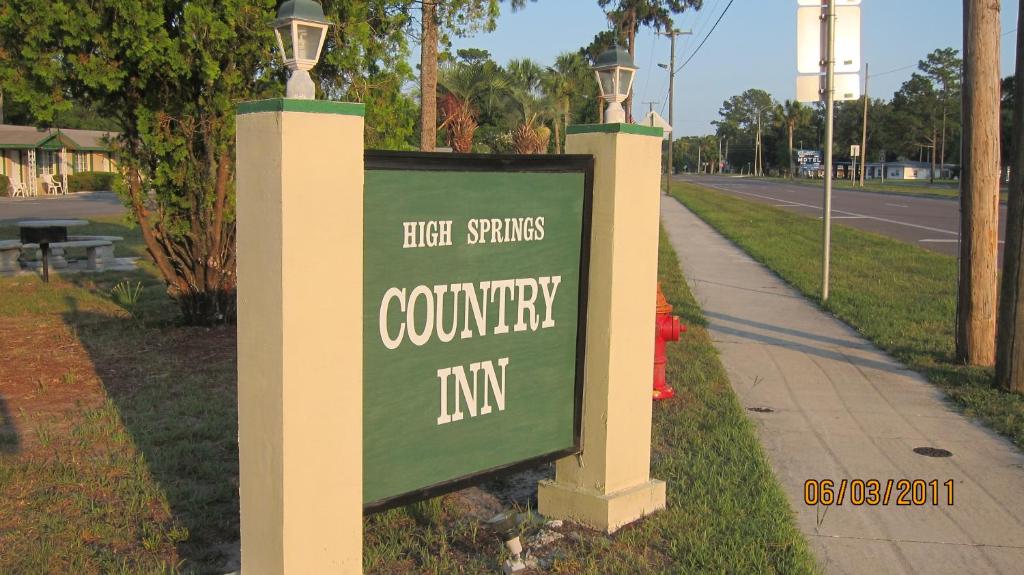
{"x": 607, "y": 81}
{"x": 625, "y": 79}
{"x": 284, "y": 34}
{"x": 309, "y": 41}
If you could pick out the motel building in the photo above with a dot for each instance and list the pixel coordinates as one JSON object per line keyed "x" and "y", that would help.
{"x": 27, "y": 154}
{"x": 909, "y": 170}
{"x": 902, "y": 170}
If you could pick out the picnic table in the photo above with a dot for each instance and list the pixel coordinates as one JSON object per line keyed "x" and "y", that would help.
{"x": 45, "y": 232}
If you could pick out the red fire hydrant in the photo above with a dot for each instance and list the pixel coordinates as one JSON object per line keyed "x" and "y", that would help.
{"x": 666, "y": 328}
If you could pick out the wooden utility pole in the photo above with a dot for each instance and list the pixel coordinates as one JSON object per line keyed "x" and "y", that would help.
{"x": 671, "y": 106}
{"x": 935, "y": 139}
{"x": 1010, "y": 342}
{"x": 979, "y": 185}
{"x": 757, "y": 147}
{"x": 942, "y": 153}
{"x": 428, "y": 76}
{"x": 671, "y": 98}
{"x": 864, "y": 131}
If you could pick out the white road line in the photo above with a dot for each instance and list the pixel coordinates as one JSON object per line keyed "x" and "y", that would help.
{"x": 784, "y": 205}
{"x": 897, "y": 205}
{"x": 848, "y": 218}
{"x": 835, "y": 211}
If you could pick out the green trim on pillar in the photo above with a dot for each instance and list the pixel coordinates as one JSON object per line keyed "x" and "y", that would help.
{"x": 308, "y": 106}
{"x": 615, "y": 128}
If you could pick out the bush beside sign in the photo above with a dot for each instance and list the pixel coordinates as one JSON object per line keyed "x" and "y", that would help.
{"x": 474, "y": 283}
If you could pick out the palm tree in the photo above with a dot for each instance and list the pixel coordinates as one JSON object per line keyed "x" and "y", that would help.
{"x": 525, "y": 77}
{"x": 435, "y": 15}
{"x": 561, "y": 82}
{"x": 794, "y": 115}
{"x": 466, "y": 87}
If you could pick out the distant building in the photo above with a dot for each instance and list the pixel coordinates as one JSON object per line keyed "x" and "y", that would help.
{"x": 27, "y": 152}
{"x": 909, "y": 170}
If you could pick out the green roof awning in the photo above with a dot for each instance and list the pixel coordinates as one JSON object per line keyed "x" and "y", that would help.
{"x": 57, "y": 141}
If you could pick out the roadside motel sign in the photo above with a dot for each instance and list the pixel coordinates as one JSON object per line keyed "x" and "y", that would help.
{"x": 475, "y": 282}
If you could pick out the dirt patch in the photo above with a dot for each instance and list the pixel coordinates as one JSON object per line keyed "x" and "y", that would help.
{"x": 71, "y": 478}
{"x": 106, "y": 440}
{"x": 519, "y": 490}
{"x": 163, "y": 353}
{"x": 46, "y": 377}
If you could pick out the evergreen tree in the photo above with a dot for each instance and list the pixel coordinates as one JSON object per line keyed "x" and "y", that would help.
{"x": 170, "y": 74}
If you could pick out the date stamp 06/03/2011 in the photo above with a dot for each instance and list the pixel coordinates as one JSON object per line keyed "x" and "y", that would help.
{"x": 878, "y": 492}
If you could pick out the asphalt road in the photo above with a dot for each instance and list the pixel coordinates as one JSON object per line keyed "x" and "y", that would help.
{"x": 931, "y": 223}
{"x": 80, "y": 205}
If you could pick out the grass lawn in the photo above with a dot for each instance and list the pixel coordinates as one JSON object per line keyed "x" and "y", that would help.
{"x": 899, "y": 296}
{"x": 118, "y": 453}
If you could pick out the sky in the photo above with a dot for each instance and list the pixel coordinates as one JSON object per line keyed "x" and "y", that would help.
{"x": 753, "y": 46}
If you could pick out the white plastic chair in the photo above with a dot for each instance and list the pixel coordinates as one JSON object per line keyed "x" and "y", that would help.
{"x": 52, "y": 186}
{"x": 18, "y": 189}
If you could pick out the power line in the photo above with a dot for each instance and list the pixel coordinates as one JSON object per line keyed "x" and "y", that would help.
{"x": 701, "y": 45}
{"x": 703, "y": 19}
{"x": 901, "y": 68}
{"x": 894, "y": 70}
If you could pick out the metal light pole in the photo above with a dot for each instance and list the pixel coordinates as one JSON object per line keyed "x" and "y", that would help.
{"x": 826, "y": 218}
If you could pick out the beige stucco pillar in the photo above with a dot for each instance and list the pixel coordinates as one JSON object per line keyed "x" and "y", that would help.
{"x": 300, "y": 196}
{"x": 609, "y": 485}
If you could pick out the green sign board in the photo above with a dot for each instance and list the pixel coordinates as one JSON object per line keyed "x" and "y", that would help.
{"x": 475, "y": 273}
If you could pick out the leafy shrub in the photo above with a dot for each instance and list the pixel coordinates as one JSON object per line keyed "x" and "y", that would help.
{"x": 91, "y": 181}
{"x": 5, "y": 186}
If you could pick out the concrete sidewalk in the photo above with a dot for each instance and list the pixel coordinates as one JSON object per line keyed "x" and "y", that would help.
{"x": 842, "y": 409}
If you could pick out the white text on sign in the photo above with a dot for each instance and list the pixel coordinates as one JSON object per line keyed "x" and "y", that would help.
{"x": 438, "y": 233}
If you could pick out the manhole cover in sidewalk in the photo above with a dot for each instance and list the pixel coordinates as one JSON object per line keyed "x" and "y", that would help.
{"x": 932, "y": 452}
{"x": 761, "y": 409}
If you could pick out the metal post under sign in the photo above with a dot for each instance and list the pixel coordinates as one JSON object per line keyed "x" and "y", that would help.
{"x": 826, "y": 216}
{"x": 854, "y": 153}
{"x": 828, "y": 51}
